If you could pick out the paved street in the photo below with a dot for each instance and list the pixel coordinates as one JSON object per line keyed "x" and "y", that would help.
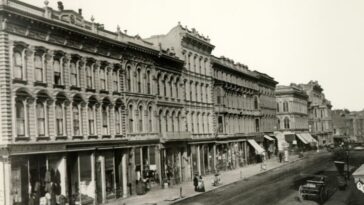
{"x": 268, "y": 188}
{"x": 280, "y": 186}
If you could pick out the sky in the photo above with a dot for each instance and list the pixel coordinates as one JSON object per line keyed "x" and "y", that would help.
{"x": 291, "y": 40}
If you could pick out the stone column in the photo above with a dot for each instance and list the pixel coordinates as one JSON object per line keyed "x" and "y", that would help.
{"x": 26, "y": 115}
{"x": 198, "y": 159}
{"x": 124, "y": 180}
{"x": 45, "y": 106}
{"x": 5, "y": 181}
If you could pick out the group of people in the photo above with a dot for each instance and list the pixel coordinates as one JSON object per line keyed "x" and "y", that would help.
{"x": 198, "y": 183}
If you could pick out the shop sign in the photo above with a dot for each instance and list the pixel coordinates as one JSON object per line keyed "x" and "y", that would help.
{"x": 20, "y": 149}
{"x": 360, "y": 186}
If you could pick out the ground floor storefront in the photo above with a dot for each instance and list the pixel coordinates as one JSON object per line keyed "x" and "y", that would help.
{"x": 100, "y": 174}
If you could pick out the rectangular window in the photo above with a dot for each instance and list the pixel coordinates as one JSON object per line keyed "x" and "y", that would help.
{"x": 117, "y": 121}
{"x": 57, "y": 72}
{"x": 104, "y": 121}
{"x": 130, "y": 125}
{"x": 40, "y": 119}
{"x": 38, "y": 68}
{"x": 59, "y": 120}
{"x": 91, "y": 121}
{"x": 73, "y": 74}
{"x": 89, "y": 77}
{"x": 102, "y": 79}
{"x": 76, "y": 121}
{"x": 115, "y": 81}
{"x": 18, "y": 65}
{"x": 20, "y": 119}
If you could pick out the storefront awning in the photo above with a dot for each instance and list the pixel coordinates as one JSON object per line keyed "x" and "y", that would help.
{"x": 256, "y": 146}
{"x": 268, "y": 138}
{"x": 309, "y": 138}
{"x": 302, "y": 138}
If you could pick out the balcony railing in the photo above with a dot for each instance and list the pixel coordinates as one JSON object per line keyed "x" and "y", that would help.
{"x": 142, "y": 136}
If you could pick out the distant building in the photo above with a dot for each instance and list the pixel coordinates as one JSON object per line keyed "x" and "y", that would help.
{"x": 348, "y": 125}
{"x": 319, "y": 113}
{"x": 292, "y": 115}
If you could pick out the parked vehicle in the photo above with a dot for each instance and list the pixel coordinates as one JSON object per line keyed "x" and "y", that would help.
{"x": 314, "y": 188}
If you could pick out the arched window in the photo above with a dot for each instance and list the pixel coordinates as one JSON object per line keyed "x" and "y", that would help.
{"x": 140, "y": 121}
{"x": 207, "y": 93}
{"x": 38, "y": 66}
{"x": 256, "y": 103}
{"x": 139, "y": 80}
{"x": 285, "y": 106}
{"x": 191, "y": 90}
{"x": 57, "y": 72}
{"x": 177, "y": 90}
{"x": 59, "y": 119}
{"x": 286, "y": 123}
{"x": 160, "y": 121}
{"x": 165, "y": 86}
{"x": 91, "y": 120}
{"x": 20, "y": 118}
{"x": 117, "y": 120}
{"x": 172, "y": 122}
{"x": 166, "y": 120}
{"x": 148, "y": 83}
{"x": 203, "y": 123}
{"x": 130, "y": 117}
{"x": 76, "y": 120}
{"x": 115, "y": 80}
{"x": 128, "y": 80}
{"x": 150, "y": 115}
{"x": 73, "y": 69}
{"x": 40, "y": 119}
{"x": 278, "y": 124}
{"x": 105, "y": 121}
{"x": 178, "y": 128}
{"x": 18, "y": 65}
{"x": 158, "y": 86}
{"x": 171, "y": 88}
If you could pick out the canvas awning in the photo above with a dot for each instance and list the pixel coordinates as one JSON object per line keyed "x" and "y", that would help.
{"x": 268, "y": 138}
{"x": 302, "y": 138}
{"x": 256, "y": 146}
{"x": 309, "y": 138}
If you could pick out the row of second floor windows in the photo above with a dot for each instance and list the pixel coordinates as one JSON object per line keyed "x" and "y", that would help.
{"x": 237, "y": 124}
{"x": 88, "y": 74}
{"x": 238, "y": 101}
{"x": 291, "y": 107}
{"x": 37, "y": 118}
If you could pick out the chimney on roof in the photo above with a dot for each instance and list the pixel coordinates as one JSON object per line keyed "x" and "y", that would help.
{"x": 80, "y": 12}
{"x": 60, "y": 5}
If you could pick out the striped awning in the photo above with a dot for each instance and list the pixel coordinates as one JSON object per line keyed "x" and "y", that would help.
{"x": 268, "y": 138}
{"x": 256, "y": 146}
{"x": 302, "y": 138}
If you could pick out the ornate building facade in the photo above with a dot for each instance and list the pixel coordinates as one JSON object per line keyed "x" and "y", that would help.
{"x": 93, "y": 113}
{"x": 319, "y": 113}
{"x": 292, "y": 116}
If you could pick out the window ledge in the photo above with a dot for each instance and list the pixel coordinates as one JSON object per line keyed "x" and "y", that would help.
{"x": 90, "y": 90}
{"x": 80, "y": 137}
{"x": 22, "y": 138}
{"x": 93, "y": 137}
{"x": 116, "y": 93}
{"x": 61, "y": 137}
{"x": 20, "y": 81}
{"x": 43, "y": 138}
{"x": 119, "y": 136}
{"x": 106, "y": 136}
{"x": 59, "y": 86}
{"x": 104, "y": 91}
{"x": 75, "y": 88}
{"x": 38, "y": 83}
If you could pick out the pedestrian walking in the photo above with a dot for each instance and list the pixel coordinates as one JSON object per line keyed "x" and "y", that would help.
{"x": 280, "y": 157}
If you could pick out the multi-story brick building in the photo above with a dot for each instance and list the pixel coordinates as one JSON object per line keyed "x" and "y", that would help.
{"x": 319, "y": 113}
{"x": 89, "y": 114}
{"x": 348, "y": 126}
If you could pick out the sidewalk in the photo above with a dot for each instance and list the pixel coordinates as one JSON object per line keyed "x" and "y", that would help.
{"x": 172, "y": 194}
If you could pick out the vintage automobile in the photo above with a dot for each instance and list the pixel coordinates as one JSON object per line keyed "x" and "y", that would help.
{"x": 314, "y": 188}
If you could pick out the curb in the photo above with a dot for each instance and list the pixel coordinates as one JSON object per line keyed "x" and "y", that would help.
{"x": 224, "y": 185}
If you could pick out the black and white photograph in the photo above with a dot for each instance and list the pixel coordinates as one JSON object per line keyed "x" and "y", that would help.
{"x": 181, "y": 102}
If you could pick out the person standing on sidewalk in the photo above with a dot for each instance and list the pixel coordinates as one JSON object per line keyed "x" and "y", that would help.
{"x": 280, "y": 157}
{"x": 195, "y": 181}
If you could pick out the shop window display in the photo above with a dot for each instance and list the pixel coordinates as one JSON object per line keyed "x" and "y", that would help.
{"x": 87, "y": 186}
{"x": 109, "y": 175}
